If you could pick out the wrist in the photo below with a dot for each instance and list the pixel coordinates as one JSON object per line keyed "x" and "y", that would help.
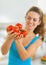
{"x": 9, "y": 39}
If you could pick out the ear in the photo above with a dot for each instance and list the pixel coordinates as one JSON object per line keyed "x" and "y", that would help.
{"x": 39, "y": 22}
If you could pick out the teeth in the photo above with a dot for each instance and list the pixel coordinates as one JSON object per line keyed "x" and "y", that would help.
{"x": 30, "y": 25}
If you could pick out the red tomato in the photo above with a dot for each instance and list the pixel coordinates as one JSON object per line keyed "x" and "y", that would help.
{"x": 24, "y": 32}
{"x": 15, "y": 29}
{"x": 9, "y": 28}
{"x": 44, "y": 56}
{"x": 19, "y": 25}
{"x": 19, "y": 33}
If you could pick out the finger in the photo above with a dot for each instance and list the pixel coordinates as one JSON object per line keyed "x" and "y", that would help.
{"x": 10, "y": 32}
{"x": 21, "y": 35}
{"x": 14, "y": 34}
{"x": 17, "y": 37}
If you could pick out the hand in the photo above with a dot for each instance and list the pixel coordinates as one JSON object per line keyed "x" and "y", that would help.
{"x": 11, "y": 35}
{"x": 18, "y": 37}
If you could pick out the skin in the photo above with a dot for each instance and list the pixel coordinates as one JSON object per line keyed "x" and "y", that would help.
{"x": 32, "y": 21}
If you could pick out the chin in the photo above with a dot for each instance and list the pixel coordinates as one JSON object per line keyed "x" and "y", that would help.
{"x": 30, "y": 28}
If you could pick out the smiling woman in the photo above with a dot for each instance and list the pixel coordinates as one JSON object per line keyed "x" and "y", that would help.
{"x": 21, "y": 49}
{"x": 36, "y": 15}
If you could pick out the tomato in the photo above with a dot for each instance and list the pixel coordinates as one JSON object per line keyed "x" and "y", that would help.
{"x": 19, "y": 33}
{"x": 9, "y": 28}
{"x": 15, "y": 29}
{"x": 24, "y": 32}
{"x": 19, "y": 25}
{"x": 18, "y": 29}
{"x": 44, "y": 56}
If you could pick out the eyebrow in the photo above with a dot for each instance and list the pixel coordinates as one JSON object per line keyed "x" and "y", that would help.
{"x": 31, "y": 17}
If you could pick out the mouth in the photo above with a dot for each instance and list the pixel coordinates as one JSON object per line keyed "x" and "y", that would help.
{"x": 30, "y": 26}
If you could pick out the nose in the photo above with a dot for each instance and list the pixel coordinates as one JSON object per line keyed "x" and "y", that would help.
{"x": 31, "y": 21}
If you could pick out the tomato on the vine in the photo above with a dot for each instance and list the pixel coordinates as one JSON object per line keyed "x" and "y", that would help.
{"x": 19, "y": 25}
{"x": 9, "y": 28}
{"x": 24, "y": 32}
{"x": 15, "y": 29}
{"x": 18, "y": 29}
{"x": 19, "y": 33}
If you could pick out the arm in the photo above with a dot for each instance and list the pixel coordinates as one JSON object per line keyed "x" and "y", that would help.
{"x": 26, "y": 53}
{"x": 7, "y": 44}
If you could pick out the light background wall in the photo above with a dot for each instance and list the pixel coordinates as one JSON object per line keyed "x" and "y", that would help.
{"x": 13, "y": 11}
{"x": 42, "y": 5}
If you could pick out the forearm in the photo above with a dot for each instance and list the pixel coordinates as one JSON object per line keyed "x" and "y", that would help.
{"x": 6, "y": 46}
{"x": 21, "y": 50}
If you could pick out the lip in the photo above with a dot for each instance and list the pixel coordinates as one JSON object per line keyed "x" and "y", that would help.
{"x": 30, "y": 27}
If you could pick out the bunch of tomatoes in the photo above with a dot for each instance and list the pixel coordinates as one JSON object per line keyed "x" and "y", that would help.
{"x": 18, "y": 29}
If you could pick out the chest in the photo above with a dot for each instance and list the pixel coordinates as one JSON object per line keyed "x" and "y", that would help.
{"x": 27, "y": 40}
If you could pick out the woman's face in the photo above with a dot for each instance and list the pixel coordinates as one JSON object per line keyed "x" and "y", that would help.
{"x": 32, "y": 20}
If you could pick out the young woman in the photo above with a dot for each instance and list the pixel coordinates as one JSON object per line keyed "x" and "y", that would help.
{"x": 22, "y": 49}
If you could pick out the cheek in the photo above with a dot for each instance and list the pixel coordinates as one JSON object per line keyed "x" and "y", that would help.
{"x": 35, "y": 25}
{"x": 28, "y": 22}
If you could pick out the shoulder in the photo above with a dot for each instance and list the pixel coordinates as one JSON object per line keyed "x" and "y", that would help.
{"x": 38, "y": 42}
{"x": 39, "y": 39}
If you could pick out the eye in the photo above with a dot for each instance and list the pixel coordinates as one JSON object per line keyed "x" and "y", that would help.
{"x": 35, "y": 20}
{"x": 29, "y": 18}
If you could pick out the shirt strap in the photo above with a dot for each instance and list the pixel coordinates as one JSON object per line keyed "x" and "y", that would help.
{"x": 33, "y": 40}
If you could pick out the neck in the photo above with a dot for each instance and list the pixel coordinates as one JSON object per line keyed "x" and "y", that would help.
{"x": 29, "y": 31}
